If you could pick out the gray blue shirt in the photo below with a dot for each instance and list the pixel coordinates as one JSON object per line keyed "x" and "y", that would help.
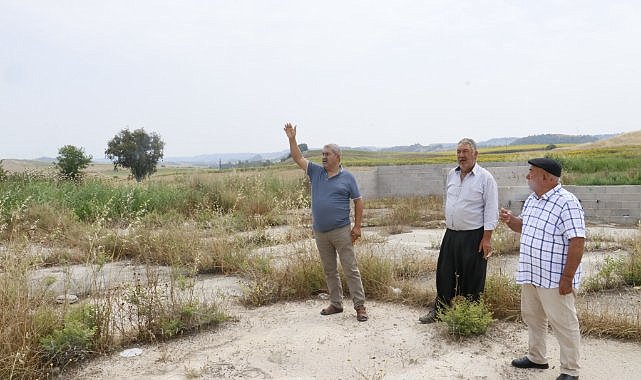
{"x": 549, "y": 222}
{"x": 331, "y": 197}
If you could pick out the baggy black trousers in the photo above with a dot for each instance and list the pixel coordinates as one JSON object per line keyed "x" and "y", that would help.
{"x": 461, "y": 268}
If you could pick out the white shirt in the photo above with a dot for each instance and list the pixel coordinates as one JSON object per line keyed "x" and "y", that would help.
{"x": 473, "y": 202}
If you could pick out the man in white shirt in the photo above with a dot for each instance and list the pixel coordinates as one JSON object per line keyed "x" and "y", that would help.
{"x": 471, "y": 214}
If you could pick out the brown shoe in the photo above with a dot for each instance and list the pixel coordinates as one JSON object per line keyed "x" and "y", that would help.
{"x": 331, "y": 309}
{"x": 361, "y": 313}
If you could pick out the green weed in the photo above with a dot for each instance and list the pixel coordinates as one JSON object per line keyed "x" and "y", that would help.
{"x": 466, "y": 317}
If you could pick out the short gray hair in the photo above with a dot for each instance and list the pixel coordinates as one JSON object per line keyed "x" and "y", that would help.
{"x": 334, "y": 148}
{"x": 468, "y": 141}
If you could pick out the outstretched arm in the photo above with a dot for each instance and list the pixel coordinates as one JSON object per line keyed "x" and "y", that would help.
{"x": 294, "y": 150}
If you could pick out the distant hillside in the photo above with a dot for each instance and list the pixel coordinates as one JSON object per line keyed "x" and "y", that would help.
{"x": 624, "y": 139}
{"x": 502, "y": 141}
{"x": 420, "y": 148}
{"x": 224, "y": 158}
{"x": 440, "y": 147}
{"x": 12, "y": 165}
{"x": 559, "y": 139}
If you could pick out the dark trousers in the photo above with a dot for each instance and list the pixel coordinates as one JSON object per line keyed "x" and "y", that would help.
{"x": 461, "y": 268}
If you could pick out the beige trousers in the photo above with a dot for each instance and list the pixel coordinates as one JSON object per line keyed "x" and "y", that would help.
{"x": 540, "y": 305}
{"x": 339, "y": 242}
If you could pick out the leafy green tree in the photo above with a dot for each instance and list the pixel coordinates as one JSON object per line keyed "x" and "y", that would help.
{"x": 70, "y": 161}
{"x": 137, "y": 151}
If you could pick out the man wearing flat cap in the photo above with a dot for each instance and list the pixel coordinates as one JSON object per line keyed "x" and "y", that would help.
{"x": 552, "y": 227}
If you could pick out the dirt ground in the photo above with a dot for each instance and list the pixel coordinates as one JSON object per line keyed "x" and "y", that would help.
{"x": 293, "y": 341}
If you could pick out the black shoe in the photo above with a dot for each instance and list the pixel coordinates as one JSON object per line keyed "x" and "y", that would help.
{"x": 524, "y": 362}
{"x": 565, "y": 376}
{"x": 429, "y": 317}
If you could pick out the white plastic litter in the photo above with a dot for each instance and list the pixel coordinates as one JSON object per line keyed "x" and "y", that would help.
{"x": 131, "y": 352}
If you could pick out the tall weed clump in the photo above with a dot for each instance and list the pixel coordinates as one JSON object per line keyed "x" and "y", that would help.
{"x": 73, "y": 340}
{"x": 414, "y": 211}
{"x": 20, "y": 317}
{"x": 157, "y": 308}
{"x": 503, "y": 296}
{"x": 299, "y": 276}
{"x": 616, "y": 273}
{"x": 246, "y": 200}
{"x": 3, "y": 172}
{"x": 377, "y": 274}
{"x": 407, "y": 283}
{"x": 38, "y": 335}
{"x": 607, "y": 324}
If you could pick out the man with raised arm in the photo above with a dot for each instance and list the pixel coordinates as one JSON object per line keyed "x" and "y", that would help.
{"x": 332, "y": 189}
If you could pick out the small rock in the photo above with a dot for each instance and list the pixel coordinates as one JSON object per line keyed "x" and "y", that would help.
{"x": 67, "y": 298}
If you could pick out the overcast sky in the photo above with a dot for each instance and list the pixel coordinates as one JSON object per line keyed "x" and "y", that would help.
{"x": 223, "y": 76}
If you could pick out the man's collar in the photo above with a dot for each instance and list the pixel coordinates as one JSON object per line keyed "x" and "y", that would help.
{"x": 548, "y": 194}
{"x": 473, "y": 170}
{"x": 340, "y": 170}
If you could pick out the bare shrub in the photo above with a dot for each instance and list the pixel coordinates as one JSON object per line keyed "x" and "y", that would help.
{"x": 503, "y": 297}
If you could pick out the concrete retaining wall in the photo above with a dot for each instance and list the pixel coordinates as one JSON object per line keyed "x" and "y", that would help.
{"x": 602, "y": 204}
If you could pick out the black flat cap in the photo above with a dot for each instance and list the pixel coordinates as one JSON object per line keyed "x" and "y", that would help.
{"x": 547, "y": 164}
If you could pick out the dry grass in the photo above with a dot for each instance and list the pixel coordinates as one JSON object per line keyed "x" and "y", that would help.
{"x": 610, "y": 325}
{"x": 503, "y": 296}
{"x": 161, "y": 305}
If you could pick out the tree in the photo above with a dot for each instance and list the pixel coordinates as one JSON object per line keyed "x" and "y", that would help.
{"x": 71, "y": 161}
{"x": 137, "y": 150}
{"x": 303, "y": 148}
